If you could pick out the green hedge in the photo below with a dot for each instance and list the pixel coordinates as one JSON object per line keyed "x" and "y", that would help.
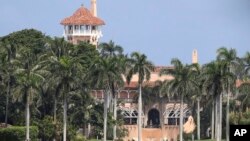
{"x": 17, "y": 133}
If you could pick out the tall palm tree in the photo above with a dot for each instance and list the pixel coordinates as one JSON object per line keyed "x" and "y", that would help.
{"x": 111, "y": 50}
{"x": 103, "y": 73}
{"x": 117, "y": 85}
{"x": 182, "y": 84}
{"x": 68, "y": 64}
{"x": 7, "y": 53}
{"x": 57, "y": 48}
{"x": 215, "y": 78}
{"x": 29, "y": 73}
{"x": 197, "y": 94}
{"x": 230, "y": 58}
{"x": 138, "y": 64}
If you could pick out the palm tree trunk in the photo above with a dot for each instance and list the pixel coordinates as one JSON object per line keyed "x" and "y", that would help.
{"x": 217, "y": 114}
{"x": 227, "y": 118}
{"x": 108, "y": 99}
{"x": 7, "y": 103}
{"x": 198, "y": 118}
{"x": 111, "y": 103}
{"x": 115, "y": 116}
{"x": 55, "y": 108}
{"x": 181, "y": 118}
{"x": 161, "y": 112}
{"x": 212, "y": 122}
{"x": 139, "y": 114}
{"x": 220, "y": 124}
{"x": 64, "y": 117}
{"x": 105, "y": 116}
{"x": 27, "y": 118}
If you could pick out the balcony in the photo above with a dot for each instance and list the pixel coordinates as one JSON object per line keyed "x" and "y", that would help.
{"x": 83, "y": 33}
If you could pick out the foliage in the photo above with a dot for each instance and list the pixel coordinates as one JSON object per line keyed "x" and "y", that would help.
{"x": 96, "y": 120}
{"x": 121, "y": 133}
{"x": 240, "y": 118}
{"x": 17, "y": 133}
{"x": 46, "y": 128}
{"x": 79, "y": 137}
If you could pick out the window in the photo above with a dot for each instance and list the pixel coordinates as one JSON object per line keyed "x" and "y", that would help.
{"x": 76, "y": 27}
{"x": 87, "y": 27}
{"x": 70, "y": 31}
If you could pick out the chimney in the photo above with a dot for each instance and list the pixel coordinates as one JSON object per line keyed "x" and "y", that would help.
{"x": 194, "y": 56}
{"x": 93, "y": 8}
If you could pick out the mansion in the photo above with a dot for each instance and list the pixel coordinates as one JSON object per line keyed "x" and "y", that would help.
{"x": 161, "y": 117}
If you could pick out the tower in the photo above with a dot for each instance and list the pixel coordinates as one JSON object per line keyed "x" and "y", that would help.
{"x": 194, "y": 56}
{"x": 83, "y": 26}
{"x": 93, "y": 8}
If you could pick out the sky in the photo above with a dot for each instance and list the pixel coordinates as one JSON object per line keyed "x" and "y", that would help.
{"x": 161, "y": 29}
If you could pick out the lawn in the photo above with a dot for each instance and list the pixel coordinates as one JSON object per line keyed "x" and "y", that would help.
{"x": 195, "y": 140}
{"x": 208, "y": 140}
{"x": 97, "y": 140}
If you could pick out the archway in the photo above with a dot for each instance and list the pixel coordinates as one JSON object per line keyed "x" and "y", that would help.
{"x": 153, "y": 118}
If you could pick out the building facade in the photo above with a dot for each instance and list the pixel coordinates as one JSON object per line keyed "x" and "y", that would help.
{"x": 160, "y": 117}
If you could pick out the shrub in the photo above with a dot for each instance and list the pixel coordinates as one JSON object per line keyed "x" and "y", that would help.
{"x": 240, "y": 118}
{"x": 79, "y": 137}
{"x": 17, "y": 133}
{"x": 47, "y": 128}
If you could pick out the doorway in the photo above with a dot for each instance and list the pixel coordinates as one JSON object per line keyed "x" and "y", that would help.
{"x": 153, "y": 118}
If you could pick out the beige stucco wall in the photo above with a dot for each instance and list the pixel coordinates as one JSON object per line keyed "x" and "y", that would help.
{"x": 169, "y": 132}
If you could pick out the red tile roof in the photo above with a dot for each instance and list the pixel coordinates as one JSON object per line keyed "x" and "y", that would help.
{"x": 82, "y": 16}
{"x": 159, "y": 68}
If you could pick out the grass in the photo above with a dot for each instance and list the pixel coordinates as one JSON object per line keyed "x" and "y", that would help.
{"x": 97, "y": 140}
{"x": 195, "y": 140}
{"x": 209, "y": 140}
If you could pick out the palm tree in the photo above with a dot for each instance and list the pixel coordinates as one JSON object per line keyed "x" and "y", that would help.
{"x": 7, "y": 52}
{"x": 57, "y": 48}
{"x": 111, "y": 50}
{"x": 68, "y": 64}
{"x": 197, "y": 93}
{"x": 215, "y": 76}
{"x": 141, "y": 66}
{"x": 81, "y": 106}
{"x": 182, "y": 84}
{"x": 230, "y": 58}
{"x": 29, "y": 73}
{"x": 105, "y": 72}
{"x": 118, "y": 84}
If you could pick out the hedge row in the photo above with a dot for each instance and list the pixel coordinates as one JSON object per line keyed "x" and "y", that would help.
{"x": 18, "y": 133}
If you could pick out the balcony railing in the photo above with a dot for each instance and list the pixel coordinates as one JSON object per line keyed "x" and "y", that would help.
{"x": 83, "y": 32}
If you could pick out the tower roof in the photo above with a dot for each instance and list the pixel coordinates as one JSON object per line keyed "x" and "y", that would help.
{"x": 82, "y": 16}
